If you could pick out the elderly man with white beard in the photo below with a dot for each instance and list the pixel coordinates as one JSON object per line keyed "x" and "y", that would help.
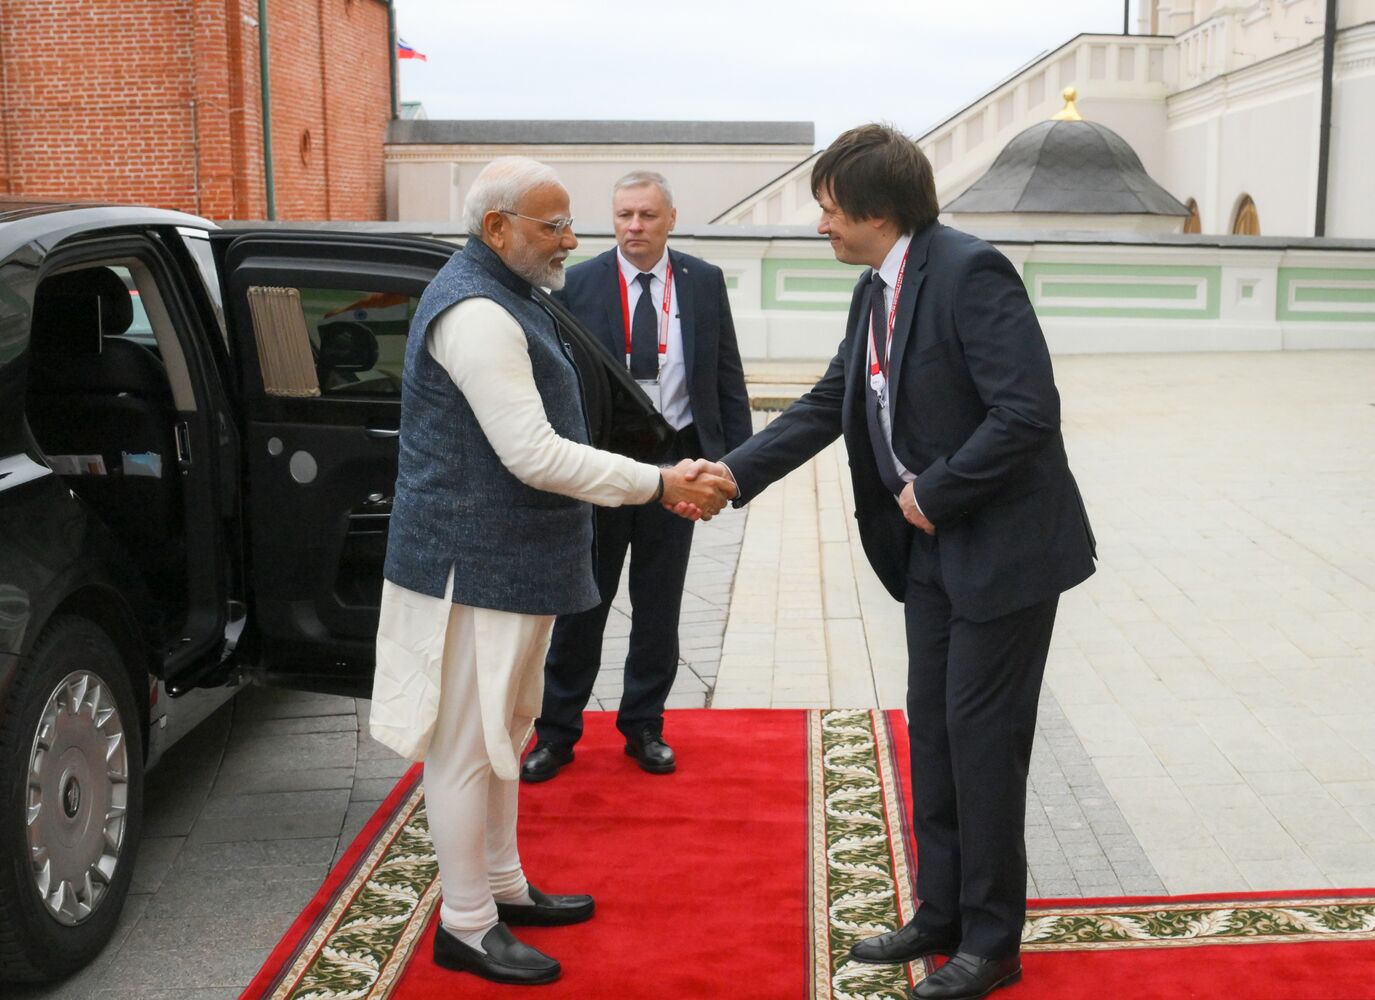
{"x": 491, "y": 537}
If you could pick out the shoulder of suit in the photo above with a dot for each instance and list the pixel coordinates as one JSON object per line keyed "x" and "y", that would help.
{"x": 583, "y": 268}
{"x": 956, "y": 241}
{"x": 695, "y": 265}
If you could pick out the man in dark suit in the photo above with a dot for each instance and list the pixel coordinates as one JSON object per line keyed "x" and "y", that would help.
{"x": 968, "y": 513}
{"x": 666, "y": 316}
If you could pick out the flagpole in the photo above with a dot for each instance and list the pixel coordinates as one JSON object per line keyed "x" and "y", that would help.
{"x": 391, "y": 60}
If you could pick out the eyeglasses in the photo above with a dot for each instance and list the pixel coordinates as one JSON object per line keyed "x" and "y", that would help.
{"x": 556, "y": 226}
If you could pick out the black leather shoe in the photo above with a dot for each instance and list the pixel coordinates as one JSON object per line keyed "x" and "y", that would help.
{"x": 506, "y": 960}
{"x": 651, "y": 752}
{"x": 543, "y": 762}
{"x": 546, "y": 910}
{"x": 906, "y": 944}
{"x": 968, "y": 977}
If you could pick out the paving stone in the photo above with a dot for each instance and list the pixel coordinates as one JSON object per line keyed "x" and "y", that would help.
{"x": 246, "y": 782}
{"x": 233, "y": 856}
{"x": 155, "y": 858}
{"x": 289, "y": 826}
{"x": 382, "y": 767}
{"x": 372, "y": 789}
{"x": 345, "y": 720}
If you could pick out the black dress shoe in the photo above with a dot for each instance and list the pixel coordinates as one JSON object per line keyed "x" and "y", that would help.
{"x": 968, "y": 977}
{"x": 546, "y": 910}
{"x": 506, "y": 960}
{"x": 651, "y": 752}
{"x": 906, "y": 944}
{"x": 543, "y": 762}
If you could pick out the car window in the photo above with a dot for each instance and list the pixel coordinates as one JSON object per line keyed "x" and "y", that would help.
{"x": 198, "y": 243}
{"x": 356, "y": 340}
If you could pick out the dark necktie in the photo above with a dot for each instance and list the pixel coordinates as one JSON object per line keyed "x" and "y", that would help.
{"x": 883, "y": 452}
{"x": 878, "y": 322}
{"x": 644, "y": 335}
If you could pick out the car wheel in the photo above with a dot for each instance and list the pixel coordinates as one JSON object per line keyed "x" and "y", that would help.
{"x": 71, "y": 801}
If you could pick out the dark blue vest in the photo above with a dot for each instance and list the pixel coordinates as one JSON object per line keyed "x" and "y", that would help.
{"x": 512, "y": 547}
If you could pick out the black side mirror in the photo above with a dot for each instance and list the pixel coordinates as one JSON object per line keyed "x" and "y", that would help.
{"x": 346, "y": 346}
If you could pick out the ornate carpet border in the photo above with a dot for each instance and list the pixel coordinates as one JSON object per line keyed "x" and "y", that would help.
{"x": 1192, "y": 923}
{"x": 859, "y": 870}
{"x": 361, "y": 943}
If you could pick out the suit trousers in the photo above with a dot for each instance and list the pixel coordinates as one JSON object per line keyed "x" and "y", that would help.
{"x": 972, "y": 691}
{"x": 660, "y": 543}
{"x": 472, "y": 812}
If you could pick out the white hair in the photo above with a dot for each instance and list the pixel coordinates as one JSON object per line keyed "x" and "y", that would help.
{"x": 500, "y": 187}
{"x": 639, "y": 178}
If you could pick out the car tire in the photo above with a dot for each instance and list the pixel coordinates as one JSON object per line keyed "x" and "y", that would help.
{"x": 71, "y": 801}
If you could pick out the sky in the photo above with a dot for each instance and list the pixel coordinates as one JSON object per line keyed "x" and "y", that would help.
{"x": 835, "y": 64}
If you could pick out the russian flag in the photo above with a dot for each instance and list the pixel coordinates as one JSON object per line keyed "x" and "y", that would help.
{"x": 404, "y": 51}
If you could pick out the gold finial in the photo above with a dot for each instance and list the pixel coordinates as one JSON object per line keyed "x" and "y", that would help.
{"x": 1070, "y": 113}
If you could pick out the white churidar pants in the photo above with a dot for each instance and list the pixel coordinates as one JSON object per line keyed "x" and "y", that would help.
{"x": 472, "y": 811}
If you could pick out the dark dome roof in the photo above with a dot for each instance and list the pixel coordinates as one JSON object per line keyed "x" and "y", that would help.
{"x": 1072, "y": 167}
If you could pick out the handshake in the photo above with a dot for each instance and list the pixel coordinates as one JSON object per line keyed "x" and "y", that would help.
{"x": 697, "y": 489}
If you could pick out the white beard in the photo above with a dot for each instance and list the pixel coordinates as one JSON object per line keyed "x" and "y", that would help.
{"x": 534, "y": 267}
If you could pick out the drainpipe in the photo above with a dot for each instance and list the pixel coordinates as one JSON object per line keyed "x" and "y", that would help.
{"x": 267, "y": 109}
{"x": 391, "y": 60}
{"x": 1126, "y": 17}
{"x": 1329, "y": 45}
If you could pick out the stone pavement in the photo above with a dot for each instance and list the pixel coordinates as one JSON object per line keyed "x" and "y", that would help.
{"x": 1206, "y": 721}
{"x": 1217, "y": 674}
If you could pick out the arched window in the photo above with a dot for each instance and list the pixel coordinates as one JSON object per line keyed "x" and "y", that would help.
{"x": 1246, "y": 220}
{"x": 1192, "y": 224}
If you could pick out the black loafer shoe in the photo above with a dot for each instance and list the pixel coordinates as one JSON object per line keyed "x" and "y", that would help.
{"x": 506, "y": 960}
{"x": 651, "y": 752}
{"x": 546, "y": 910}
{"x": 968, "y": 977}
{"x": 543, "y": 762}
{"x": 906, "y": 944}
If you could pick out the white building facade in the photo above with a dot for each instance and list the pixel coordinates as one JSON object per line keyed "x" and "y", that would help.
{"x": 430, "y": 164}
{"x": 1222, "y": 102}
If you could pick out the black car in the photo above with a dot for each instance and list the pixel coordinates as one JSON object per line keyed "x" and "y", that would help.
{"x": 197, "y": 457}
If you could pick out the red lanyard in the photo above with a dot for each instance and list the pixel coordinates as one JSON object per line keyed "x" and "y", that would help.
{"x": 663, "y": 322}
{"x": 877, "y": 371}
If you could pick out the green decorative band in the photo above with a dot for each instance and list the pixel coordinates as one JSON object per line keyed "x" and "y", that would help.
{"x": 1124, "y": 291}
{"x": 1326, "y": 295}
{"x": 802, "y": 285}
{"x": 1158, "y": 925}
{"x": 859, "y": 876}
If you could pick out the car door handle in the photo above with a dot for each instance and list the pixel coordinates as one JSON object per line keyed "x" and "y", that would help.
{"x": 383, "y": 432}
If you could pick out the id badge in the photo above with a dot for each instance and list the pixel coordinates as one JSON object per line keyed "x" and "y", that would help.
{"x": 653, "y": 390}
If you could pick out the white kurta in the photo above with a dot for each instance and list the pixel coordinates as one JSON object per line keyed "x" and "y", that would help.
{"x": 485, "y": 352}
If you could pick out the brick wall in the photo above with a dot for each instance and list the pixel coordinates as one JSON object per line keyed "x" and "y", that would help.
{"x": 158, "y": 102}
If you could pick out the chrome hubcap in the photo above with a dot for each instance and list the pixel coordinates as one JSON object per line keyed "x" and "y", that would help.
{"x": 78, "y": 791}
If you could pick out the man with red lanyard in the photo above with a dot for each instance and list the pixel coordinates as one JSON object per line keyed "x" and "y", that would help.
{"x": 944, "y": 394}
{"x": 665, "y": 315}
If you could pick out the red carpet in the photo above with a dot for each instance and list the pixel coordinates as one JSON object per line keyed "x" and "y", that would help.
{"x": 748, "y": 873}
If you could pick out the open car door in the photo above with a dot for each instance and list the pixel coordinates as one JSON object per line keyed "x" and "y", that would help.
{"x": 318, "y": 325}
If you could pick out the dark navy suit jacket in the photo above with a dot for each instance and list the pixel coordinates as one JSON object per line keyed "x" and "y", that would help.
{"x": 716, "y": 381}
{"x": 976, "y": 416}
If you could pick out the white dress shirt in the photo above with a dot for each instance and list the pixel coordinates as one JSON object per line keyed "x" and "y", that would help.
{"x": 888, "y": 271}
{"x": 673, "y": 387}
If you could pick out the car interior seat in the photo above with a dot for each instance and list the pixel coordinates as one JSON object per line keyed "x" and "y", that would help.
{"x": 101, "y": 409}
